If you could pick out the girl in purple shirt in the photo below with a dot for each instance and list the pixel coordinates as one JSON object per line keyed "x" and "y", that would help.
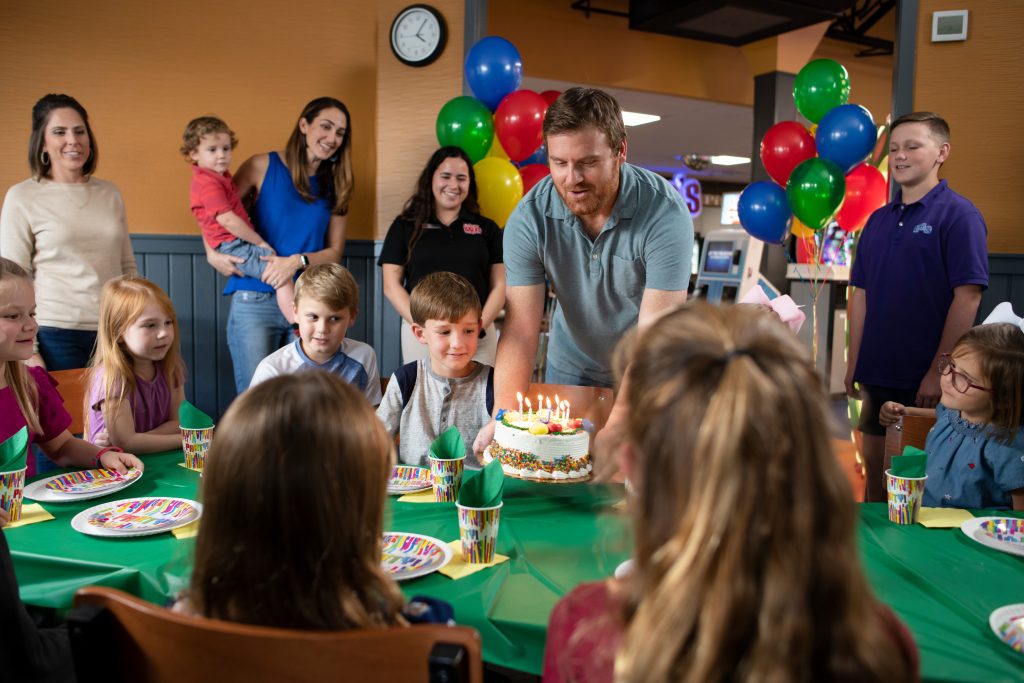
{"x": 137, "y": 380}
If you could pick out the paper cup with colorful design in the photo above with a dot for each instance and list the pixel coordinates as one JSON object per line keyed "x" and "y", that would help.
{"x": 12, "y": 486}
{"x": 905, "y": 495}
{"x": 446, "y": 477}
{"x": 195, "y": 443}
{"x": 478, "y": 531}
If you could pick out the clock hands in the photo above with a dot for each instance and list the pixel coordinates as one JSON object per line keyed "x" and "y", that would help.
{"x": 418, "y": 32}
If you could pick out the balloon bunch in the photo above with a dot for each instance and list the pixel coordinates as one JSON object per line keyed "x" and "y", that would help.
{"x": 500, "y": 129}
{"x": 819, "y": 177}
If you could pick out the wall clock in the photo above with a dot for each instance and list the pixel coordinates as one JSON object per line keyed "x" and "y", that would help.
{"x": 418, "y": 35}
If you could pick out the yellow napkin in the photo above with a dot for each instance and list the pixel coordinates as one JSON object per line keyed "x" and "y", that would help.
{"x": 181, "y": 464}
{"x": 942, "y": 518}
{"x": 188, "y": 531}
{"x": 460, "y": 569}
{"x": 426, "y": 496}
{"x": 30, "y": 514}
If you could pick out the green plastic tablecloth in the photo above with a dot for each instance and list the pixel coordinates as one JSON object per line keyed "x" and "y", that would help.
{"x": 942, "y": 584}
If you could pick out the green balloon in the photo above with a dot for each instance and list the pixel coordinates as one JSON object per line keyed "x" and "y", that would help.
{"x": 820, "y": 85}
{"x": 815, "y": 191}
{"x": 467, "y": 123}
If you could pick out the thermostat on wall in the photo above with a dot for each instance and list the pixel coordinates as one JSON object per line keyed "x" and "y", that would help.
{"x": 948, "y": 26}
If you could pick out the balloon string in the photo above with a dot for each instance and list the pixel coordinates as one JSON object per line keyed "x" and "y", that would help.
{"x": 815, "y": 289}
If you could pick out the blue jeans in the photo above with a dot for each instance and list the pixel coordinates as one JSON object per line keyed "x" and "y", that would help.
{"x": 65, "y": 349}
{"x": 256, "y": 329}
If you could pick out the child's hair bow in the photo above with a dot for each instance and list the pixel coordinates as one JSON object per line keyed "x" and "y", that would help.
{"x": 1003, "y": 313}
{"x": 784, "y": 307}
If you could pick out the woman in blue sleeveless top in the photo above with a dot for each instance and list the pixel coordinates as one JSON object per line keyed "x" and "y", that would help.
{"x": 299, "y": 203}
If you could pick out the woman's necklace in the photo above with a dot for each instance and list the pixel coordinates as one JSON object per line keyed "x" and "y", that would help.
{"x": 76, "y": 194}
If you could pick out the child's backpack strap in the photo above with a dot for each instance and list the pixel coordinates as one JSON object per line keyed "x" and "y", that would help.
{"x": 406, "y": 378}
{"x": 490, "y": 390}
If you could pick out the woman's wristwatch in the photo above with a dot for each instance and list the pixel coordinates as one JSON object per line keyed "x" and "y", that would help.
{"x": 305, "y": 261}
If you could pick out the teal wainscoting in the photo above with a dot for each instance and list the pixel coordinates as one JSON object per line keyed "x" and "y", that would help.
{"x": 178, "y": 264}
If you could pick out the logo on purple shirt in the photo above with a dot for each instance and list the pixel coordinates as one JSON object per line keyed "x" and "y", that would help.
{"x": 923, "y": 227}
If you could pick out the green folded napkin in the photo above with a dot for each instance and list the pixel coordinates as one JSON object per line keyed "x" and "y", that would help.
{"x": 190, "y": 417}
{"x": 483, "y": 489}
{"x": 449, "y": 445}
{"x": 14, "y": 451}
{"x": 911, "y": 464}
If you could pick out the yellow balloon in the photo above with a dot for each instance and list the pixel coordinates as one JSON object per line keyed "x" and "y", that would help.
{"x": 799, "y": 229}
{"x": 499, "y": 187}
{"x": 496, "y": 150}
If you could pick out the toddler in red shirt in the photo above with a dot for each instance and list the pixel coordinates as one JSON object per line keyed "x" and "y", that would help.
{"x": 207, "y": 143}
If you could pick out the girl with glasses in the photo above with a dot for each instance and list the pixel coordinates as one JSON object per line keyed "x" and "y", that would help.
{"x": 976, "y": 448}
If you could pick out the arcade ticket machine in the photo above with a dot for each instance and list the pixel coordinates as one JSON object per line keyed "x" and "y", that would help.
{"x": 730, "y": 264}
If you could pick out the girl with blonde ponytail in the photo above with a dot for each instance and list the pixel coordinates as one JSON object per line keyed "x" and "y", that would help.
{"x": 746, "y": 563}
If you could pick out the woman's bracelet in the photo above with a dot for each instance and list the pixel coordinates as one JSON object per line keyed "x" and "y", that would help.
{"x": 108, "y": 449}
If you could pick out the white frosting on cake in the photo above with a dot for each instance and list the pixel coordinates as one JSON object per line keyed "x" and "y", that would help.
{"x": 543, "y": 446}
{"x": 551, "y": 456}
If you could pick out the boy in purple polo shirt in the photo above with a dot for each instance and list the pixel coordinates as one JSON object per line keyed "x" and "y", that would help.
{"x": 207, "y": 143}
{"x": 921, "y": 264}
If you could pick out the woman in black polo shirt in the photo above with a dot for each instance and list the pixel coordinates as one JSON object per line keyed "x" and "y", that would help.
{"x": 441, "y": 229}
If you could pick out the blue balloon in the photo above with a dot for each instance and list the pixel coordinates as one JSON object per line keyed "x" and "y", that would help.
{"x": 764, "y": 211}
{"x": 493, "y": 70}
{"x": 538, "y": 157}
{"x": 846, "y": 135}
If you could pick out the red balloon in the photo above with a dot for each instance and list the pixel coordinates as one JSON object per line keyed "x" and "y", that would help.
{"x": 866, "y": 190}
{"x": 550, "y": 96}
{"x": 533, "y": 174}
{"x": 784, "y": 147}
{"x": 518, "y": 122}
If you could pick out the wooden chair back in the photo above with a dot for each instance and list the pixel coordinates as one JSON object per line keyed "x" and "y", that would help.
{"x": 911, "y": 430}
{"x": 71, "y": 387}
{"x": 593, "y": 403}
{"x": 118, "y": 637}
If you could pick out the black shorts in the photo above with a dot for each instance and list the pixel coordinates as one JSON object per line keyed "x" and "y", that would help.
{"x": 873, "y": 397}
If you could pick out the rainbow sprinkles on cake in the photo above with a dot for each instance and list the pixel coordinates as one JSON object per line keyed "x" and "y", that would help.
{"x": 547, "y": 444}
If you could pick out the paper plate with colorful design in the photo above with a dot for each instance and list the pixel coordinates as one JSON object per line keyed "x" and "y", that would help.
{"x": 1007, "y": 623}
{"x": 408, "y": 479}
{"x": 80, "y": 485}
{"x": 136, "y": 517}
{"x": 1001, "y": 533}
{"x": 406, "y": 556}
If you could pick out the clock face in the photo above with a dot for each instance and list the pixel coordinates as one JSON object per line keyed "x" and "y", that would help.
{"x": 418, "y": 35}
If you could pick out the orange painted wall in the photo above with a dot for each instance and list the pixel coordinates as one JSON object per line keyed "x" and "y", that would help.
{"x": 408, "y": 100}
{"x": 560, "y": 43}
{"x": 144, "y": 69}
{"x": 975, "y": 85}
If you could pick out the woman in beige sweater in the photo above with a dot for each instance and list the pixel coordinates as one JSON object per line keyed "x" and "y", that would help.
{"x": 67, "y": 229}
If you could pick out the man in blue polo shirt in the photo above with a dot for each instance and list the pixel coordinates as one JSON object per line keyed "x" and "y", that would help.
{"x": 921, "y": 265}
{"x": 615, "y": 241}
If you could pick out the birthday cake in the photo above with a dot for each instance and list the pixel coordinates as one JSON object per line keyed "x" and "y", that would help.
{"x": 542, "y": 445}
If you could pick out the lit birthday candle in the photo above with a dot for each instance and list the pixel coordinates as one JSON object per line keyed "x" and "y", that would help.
{"x": 567, "y": 409}
{"x": 519, "y": 397}
{"x": 529, "y": 409}
{"x": 547, "y": 402}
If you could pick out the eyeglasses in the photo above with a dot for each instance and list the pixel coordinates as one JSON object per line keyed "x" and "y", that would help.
{"x": 961, "y": 382}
